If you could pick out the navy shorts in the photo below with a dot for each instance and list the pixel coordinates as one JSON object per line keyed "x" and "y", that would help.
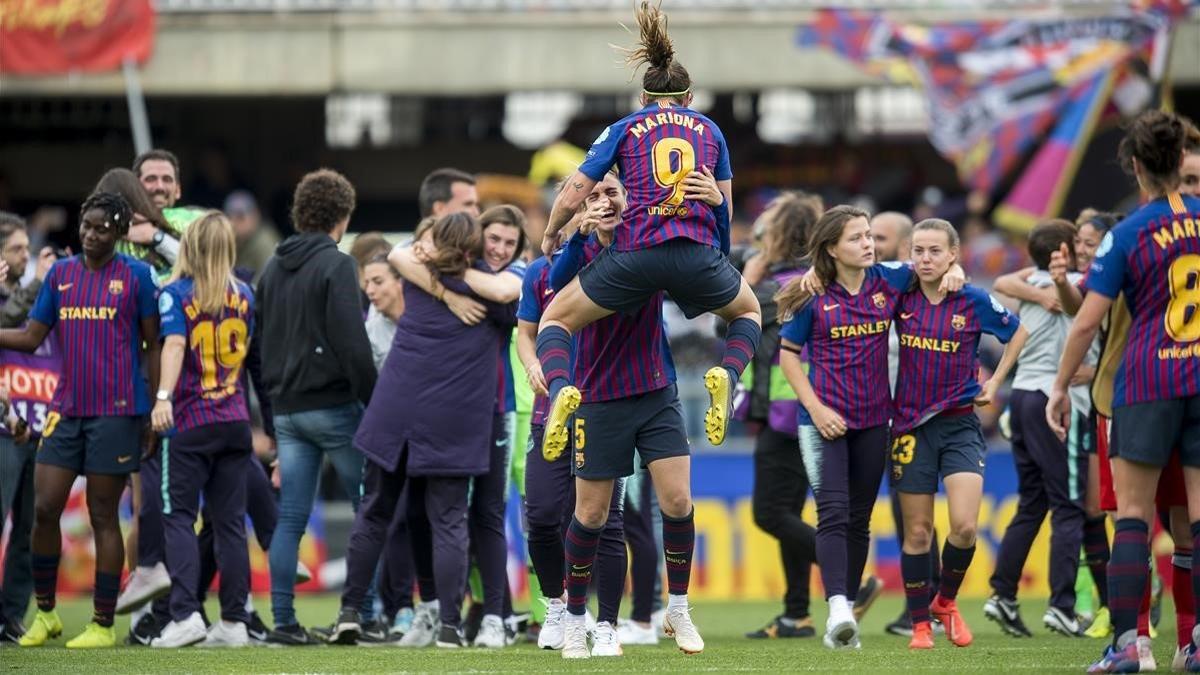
{"x": 945, "y": 445}
{"x": 100, "y": 445}
{"x": 698, "y": 277}
{"x": 605, "y": 434}
{"x": 1147, "y": 433}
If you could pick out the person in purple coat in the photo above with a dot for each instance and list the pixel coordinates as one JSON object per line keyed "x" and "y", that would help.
{"x": 427, "y": 425}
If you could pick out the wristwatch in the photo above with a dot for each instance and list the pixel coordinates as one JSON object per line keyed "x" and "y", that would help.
{"x": 157, "y": 239}
{"x": 163, "y": 395}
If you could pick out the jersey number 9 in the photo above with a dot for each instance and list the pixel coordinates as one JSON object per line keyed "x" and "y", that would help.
{"x": 674, "y": 159}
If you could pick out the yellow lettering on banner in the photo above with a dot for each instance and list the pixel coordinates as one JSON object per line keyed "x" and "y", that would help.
{"x": 39, "y": 15}
{"x": 714, "y": 527}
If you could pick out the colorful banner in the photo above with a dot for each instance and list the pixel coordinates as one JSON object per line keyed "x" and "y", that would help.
{"x": 50, "y": 37}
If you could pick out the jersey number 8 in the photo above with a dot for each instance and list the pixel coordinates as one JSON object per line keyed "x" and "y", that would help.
{"x": 1183, "y": 313}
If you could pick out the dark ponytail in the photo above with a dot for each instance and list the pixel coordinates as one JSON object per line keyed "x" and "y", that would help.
{"x": 665, "y": 77}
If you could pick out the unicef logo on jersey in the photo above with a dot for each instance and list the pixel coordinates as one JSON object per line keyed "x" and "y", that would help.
{"x": 1105, "y": 245}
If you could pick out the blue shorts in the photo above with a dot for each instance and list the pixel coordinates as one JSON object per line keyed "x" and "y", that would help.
{"x": 93, "y": 445}
{"x": 947, "y": 444}
{"x": 605, "y": 434}
{"x": 1149, "y": 432}
{"x": 698, "y": 277}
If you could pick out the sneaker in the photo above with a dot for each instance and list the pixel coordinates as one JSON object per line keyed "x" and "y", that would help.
{"x": 515, "y": 625}
{"x": 556, "y": 436}
{"x": 256, "y": 629}
{"x": 303, "y": 574}
{"x": 604, "y": 640}
{"x": 946, "y": 611}
{"x": 491, "y": 633}
{"x": 12, "y": 631}
{"x": 144, "y": 631}
{"x": 575, "y": 644}
{"x": 902, "y": 626}
{"x": 1101, "y": 625}
{"x": 1117, "y": 660}
{"x": 227, "y": 634}
{"x": 634, "y": 633}
{"x": 1145, "y": 650}
{"x": 449, "y": 637}
{"x": 1191, "y": 660}
{"x": 720, "y": 404}
{"x": 346, "y": 628}
{"x": 46, "y": 626}
{"x": 551, "y": 635}
{"x": 375, "y": 634}
{"x": 94, "y": 636}
{"x": 425, "y": 626}
{"x": 1006, "y": 613}
{"x": 870, "y": 591}
{"x": 781, "y": 627}
{"x": 922, "y": 636}
{"x": 182, "y": 633}
{"x": 841, "y": 634}
{"x": 402, "y": 623}
{"x": 1061, "y": 622}
{"x": 678, "y": 624}
{"x": 292, "y": 635}
{"x": 144, "y": 585}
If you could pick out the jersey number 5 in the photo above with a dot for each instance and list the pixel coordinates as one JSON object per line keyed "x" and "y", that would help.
{"x": 224, "y": 344}
{"x": 1183, "y": 313}
{"x": 674, "y": 159}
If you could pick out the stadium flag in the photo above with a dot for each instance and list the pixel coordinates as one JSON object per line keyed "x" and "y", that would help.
{"x": 995, "y": 88}
{"x": 52, "y": 37}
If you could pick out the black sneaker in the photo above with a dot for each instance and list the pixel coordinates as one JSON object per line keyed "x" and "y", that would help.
{"x": 144, "y": 631}
{"x": 778, "y": 628}
{"x": 1007, "y": 614}
{"x": 375, "y": 633}
{"x": 449, "y": 637}
{"x": 11, "y": 631}
{"x": 292, "y": 635}
{"x": 901, "y": 626}
{"x": 347, "y": 627}
{"x": 868, "y": 593}
{"x": 472, "y": 621}
{"x": 256, "y": 629}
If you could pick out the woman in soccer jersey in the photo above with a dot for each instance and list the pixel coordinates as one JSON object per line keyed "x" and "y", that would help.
{"x": 1153, "y": 257}
{"x": 845, "y": 396}
{"x": 936, "y": 431}
{"x": 667, "y": 241}
{"x": 103, "y": 306}
{"x": 207, "y": 316}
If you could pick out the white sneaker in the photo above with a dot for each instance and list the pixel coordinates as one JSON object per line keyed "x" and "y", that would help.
{"x": 303, "y": 574}
{"x": 1145, "y": 647}
{"x": 181, "y": 633}
{"x": 678, "y": 624}
{"x": 575, "y": 644}
{"x": 425, "y": 626}
{"x": 227, "y": 634}
{"x": 552, "y": 635}
{"x": 633, "y": 633}
{"x": 145, "y": 584}
{"x": 604, "y": 641}
{"x": 841, "y": 632}
{"x": 491, "y": 633}
{"x": 656, "y": 621}
{"x": 1179, "y": 663}
{"x": 589, "y": 622}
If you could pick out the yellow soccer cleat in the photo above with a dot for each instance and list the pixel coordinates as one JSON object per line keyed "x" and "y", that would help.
{"x": 556, "y": 436}
{"x": 93, "y": 637}
{"x": 45, "y": 626}
{"x": 1102, "y": 625}
{"x": 720, "y": 392}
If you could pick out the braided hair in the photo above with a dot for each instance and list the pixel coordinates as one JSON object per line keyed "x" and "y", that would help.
{"x": 117, "y": 213}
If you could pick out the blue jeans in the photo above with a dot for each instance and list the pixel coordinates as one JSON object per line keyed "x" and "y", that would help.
{"x": 16, "y": 497}
{"x": 304, "y": 440}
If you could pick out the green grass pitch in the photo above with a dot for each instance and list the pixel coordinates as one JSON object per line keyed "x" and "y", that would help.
{"x": 722, "y": 625}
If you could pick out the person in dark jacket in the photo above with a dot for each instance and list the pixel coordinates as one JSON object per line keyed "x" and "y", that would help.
{"x": 318, "y": 370}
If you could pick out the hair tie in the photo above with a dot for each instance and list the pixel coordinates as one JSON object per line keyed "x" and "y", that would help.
{"x": 667, "y": 93}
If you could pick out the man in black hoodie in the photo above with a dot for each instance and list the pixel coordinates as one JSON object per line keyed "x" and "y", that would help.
{"x": 318, "y": 368}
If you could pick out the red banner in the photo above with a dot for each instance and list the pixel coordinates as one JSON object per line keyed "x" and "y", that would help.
{"x": 49, "y": 37}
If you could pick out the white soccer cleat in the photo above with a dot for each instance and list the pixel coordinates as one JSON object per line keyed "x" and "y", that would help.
{"x": 575, "y": 644}
{"x": 181, "y": 633}
{"x": 425, "y": 626}
{"x": 145, "y": 584}
{"x": 491, "y": 633}
{"x": 605, "y": 641}
{"x": 678, "y": 624}
{"x": 227, "y": 634}
{"x": 632, "y": 633}
{"x": 1145, "y": 648}
{"x": 552, "y": 635}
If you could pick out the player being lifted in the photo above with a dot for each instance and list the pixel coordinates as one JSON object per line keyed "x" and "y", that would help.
{"x": 667, "y": 242}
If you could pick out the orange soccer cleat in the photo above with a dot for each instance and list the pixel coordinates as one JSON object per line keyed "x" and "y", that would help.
{"x": 922, "y": 636}
{"x": 946, "y": 611}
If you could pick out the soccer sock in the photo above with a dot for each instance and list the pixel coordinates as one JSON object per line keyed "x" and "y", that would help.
{"x": 579, "y": 547}
{"x": 1095, "y": 547}
{"x": 104, "y": 599}
{"x": 1181, "y": 593}
{"x": 1127, "y": 575}
{"x": 955, "y": 562}
{"x": 45, "y": 580}
{"x": 914, "y": 568}
{"x": 740, "y": 342}
{"x": 679, "y": 542}
{"x": 1195, "y": 575}
{"x": 554, "y": 353}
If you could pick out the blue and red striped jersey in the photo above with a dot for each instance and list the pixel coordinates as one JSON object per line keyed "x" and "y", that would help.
{"x": 1154, "y": 257}
{"x": 939, "y": 351}
{"x": 655, "y": 148}
{"x": 847, "y": 339}
{"x": 210, "y": 388}
{"x": 96, "y": 315}
{"x": 536, "y": 295}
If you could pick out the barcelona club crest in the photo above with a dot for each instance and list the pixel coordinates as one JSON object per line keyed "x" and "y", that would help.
{"x": 880, "y": 300}
{"x": 578, "y": 459}
{"x": 116, "y": 286}
{"x": 958, "y": 322}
